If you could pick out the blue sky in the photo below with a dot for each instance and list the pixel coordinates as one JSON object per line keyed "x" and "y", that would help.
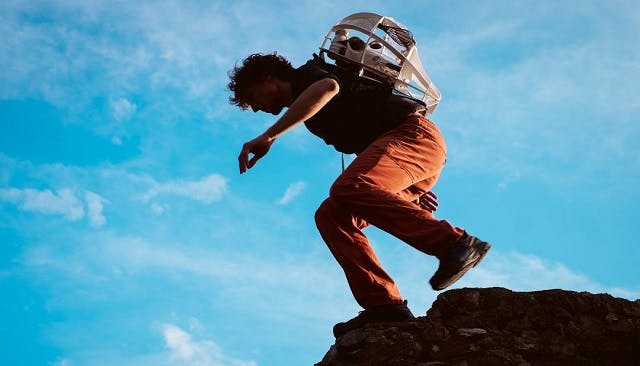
{"x": 127, "y": 236}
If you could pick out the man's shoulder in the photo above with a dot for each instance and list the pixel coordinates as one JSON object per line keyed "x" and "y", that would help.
{"x": 310, "y": 72}
{"x": 315, "y": 66}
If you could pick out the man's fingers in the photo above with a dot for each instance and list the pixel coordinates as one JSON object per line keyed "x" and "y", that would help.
{"x": 245, "y": 162}
{"x": 429, "y": 201}
{"x": 254, "y": 159}
{"x": 241, "y": 164}
{"x": 243, "y": 159}
{"x": 257, "y": 148}
{"x": 432, "y": 198}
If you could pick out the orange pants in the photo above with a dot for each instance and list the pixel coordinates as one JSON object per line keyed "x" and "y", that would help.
{"x": 380, "y": 188}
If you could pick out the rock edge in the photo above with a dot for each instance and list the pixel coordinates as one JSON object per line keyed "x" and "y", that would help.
{"x": 497, "y": 326}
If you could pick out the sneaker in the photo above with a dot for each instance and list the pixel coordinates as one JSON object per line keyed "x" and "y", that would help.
{"x": 465, "y": 254}
{"x": 378, "y": 314}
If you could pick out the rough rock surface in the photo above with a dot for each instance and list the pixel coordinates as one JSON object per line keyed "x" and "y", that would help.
{"x": 496, "y": 326}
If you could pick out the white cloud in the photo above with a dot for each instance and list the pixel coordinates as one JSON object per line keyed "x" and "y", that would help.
{"x": 63, "y": 202}
{"x": 153, "y": 55}
{"x": 513, "y": 270}
{"x": 498, "y": 95}
{"x": 157, "y": 209}
{"x": 62, "y": 362}
{"x": 293, "y": 190}
{"x": 94, "y": 206}
{"x": 122, "y": 109}
{"x": 207, "y": 190}
{"x": 526, "y": 272}
{"x": 318, "y": 291}
{"x": 185, "y": 350}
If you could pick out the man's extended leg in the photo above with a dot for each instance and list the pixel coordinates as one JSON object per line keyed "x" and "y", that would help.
{"x": 372, "y": 287}
{"x": 370, "y": 284}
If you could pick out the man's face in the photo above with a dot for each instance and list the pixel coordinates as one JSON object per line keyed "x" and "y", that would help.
{"x": 266, "y": 96}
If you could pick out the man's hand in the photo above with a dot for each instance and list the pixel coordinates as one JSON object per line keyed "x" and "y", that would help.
{"x": 259, "y": 147}
{"x": 429, "y": 201}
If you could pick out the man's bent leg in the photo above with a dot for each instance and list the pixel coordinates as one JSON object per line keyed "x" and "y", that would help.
{"x": 370, "y": 284}
{"x": 369, "y": 188}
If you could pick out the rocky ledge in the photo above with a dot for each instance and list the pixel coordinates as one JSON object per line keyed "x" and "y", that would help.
{"x": 496, "y": 326}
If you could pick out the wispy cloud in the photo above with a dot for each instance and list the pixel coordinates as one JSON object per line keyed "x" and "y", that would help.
{"x": 206, "y": 190}
{"x": 293, "y": 190}
{"x": 153, "y": 54}
{"x": 64, "y": 202}
{"x": 94, "y": 206}
{"x": 526, "y": 272}
{"x": 62, "y": 362}
{"x": 242, "y": 275}
{"x": 186, "y": 350}
{"x": 122, "y": 109}
{"x": 157, "y": 209}
{"x": 513, "y": 270}
{"x": 525, "y": 109}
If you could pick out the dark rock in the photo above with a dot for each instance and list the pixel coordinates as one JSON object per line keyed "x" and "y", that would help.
{"x": 496, "y": 326}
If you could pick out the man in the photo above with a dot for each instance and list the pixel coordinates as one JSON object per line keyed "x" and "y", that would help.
{"x": 400, "y": 154}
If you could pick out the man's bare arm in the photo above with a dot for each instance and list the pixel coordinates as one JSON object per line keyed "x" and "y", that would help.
{"x": 307, "y": 104}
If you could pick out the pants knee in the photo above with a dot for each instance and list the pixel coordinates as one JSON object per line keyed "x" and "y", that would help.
{"x": 322, "y": 213}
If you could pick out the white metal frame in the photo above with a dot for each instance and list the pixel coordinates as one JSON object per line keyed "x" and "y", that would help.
{"x": 411, "y": 80}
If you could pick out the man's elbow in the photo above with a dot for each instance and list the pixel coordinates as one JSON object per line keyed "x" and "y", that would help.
{"x": 330, "y": 86}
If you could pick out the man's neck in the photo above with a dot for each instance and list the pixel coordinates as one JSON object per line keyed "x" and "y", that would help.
{"x": 284, "y": 89}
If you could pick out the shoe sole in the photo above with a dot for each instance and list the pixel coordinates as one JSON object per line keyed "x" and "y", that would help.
{"x": 480, "y": 253}
{"x": 341, "y": 329}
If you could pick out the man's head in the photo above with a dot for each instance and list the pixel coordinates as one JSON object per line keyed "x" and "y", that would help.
{"x": 262, "y": 82}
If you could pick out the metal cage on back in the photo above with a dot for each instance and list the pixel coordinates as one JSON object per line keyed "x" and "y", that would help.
{"x": 383, "y": 50}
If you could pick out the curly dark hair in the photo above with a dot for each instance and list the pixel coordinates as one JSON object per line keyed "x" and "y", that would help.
{"x": 252, "y": 71}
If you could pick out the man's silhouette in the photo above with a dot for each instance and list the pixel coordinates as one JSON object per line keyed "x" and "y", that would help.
{"x": 400, "y": 154}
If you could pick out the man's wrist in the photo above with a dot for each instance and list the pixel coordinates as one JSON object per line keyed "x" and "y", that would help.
{"x": 270, "y": 137}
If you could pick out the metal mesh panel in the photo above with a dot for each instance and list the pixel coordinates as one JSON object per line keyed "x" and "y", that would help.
{"x": 399, "y": 35}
